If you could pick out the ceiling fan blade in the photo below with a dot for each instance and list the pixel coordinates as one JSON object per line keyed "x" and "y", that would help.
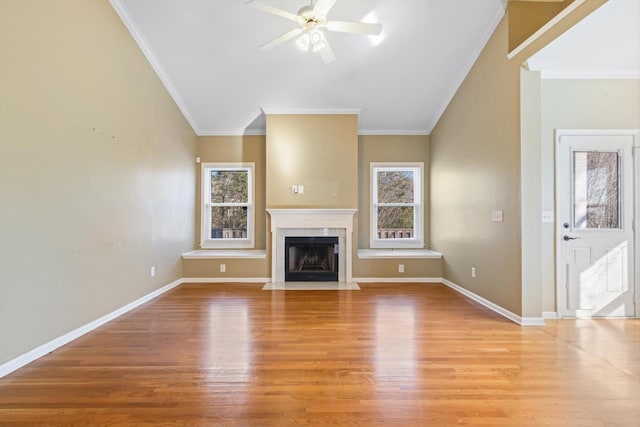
{"x": 326, "y": 53}
{"x": 323, "y": 7}
{"x": 274, "y": 11}
{"x": 355, "y": 27}
{"x": 283, "y": 38}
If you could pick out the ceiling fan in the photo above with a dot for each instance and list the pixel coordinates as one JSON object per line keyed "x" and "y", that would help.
{"x": 313, "y": 20}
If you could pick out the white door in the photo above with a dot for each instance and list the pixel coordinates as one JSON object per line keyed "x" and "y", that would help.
{"x": 595, "y": 226}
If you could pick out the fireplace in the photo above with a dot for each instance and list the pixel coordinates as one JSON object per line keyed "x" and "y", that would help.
{"x": 311, "y": 259}
{"x": 333, "y": 223}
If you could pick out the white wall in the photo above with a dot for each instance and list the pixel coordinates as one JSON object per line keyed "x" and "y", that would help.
{"x": 530, "y": 200}
{"x": 577, "y": 104}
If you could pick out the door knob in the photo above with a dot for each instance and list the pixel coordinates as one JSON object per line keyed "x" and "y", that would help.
{"x": 567, "y": 238}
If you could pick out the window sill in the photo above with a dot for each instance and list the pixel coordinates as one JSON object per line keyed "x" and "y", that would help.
{"x": 398, "y": 253}
{"x": 229, "y": 254}
{"x": 226, "y": 245}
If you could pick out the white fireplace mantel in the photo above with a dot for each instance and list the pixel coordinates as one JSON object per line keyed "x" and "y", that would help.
{"x": 285, "y": 221}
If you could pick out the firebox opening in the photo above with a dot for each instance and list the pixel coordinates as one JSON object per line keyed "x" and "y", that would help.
{"x": 311, "y": 259}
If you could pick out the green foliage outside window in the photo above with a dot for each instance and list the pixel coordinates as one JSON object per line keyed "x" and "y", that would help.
{"x": 230, "y": 198}
{"x": 395, "y": 187}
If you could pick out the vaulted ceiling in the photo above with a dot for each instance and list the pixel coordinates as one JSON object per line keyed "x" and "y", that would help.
{"x": 207, "y": 54}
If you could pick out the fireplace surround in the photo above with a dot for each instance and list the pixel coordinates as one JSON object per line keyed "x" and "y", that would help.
{"x": 336, "y": 223}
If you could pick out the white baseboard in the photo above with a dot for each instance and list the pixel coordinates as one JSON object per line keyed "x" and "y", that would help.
{"x": 226, "y": 279}
{"x": 396, "y": 279}
{"x": 38, "y": 352}
{"x": 549, "y": 315}
{"x": 532, "y": 321}
{"x": 522, "y": 321}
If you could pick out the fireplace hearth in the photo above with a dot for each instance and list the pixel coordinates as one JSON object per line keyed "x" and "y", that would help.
{"x": 311, "y": 259}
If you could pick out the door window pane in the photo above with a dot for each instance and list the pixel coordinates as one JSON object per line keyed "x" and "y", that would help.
{"x": 596, "y": 192}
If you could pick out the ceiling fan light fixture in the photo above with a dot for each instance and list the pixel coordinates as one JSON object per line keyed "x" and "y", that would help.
{"x": 316, "y": 36}
{"x": 303, "y": 42}
{"x": 312, "y": 20}
{"x": 318, "y": 40}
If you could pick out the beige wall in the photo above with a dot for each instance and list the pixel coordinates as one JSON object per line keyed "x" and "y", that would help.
{"x": 527, "y": 17}
{"x": 369, "y": 149}
{"x": 577, "y": 104}
{"x": 319, "y": 152}
{"x": 388, "y": 268}
{"x": 96, "y": 171}
{"x": 227, "y": 149}
{"x": 475, "y": 169}
{"x": 392, "y": 148}
{"x": 237, "y": 149}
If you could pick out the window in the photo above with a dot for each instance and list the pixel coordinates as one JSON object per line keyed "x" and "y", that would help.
{"x": 396, "y": 205}
{"x": 227, "y": 205}
{"x": 596, "y": 190}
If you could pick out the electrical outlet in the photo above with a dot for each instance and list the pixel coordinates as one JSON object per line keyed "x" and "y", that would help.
{"x": 497, "y": 216}
{"x": 547, "y": 216}
{"x": 223, "y": 268}
{"x": 400, "y": 268}
{"x": 473, "y": 272}
{"x": 152, "y": 273}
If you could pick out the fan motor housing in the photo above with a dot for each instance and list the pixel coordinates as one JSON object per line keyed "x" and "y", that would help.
{"x": 310, "y": 18}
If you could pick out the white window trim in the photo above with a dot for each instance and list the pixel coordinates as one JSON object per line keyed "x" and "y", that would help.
{"x": 206, "y": 242}
{"x": 418, "y": 240}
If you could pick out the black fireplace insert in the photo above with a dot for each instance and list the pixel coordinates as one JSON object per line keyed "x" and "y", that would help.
{"x": 311, "y": 259}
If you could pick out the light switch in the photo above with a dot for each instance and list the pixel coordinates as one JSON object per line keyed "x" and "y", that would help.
{"x": 497, "y": 216}
{"x": 294, "y": 189}
{"x": 300, "y": 189}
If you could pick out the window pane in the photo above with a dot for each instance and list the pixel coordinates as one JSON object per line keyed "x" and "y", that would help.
{"x": 228, "y": 222}
{"x": 229, "y": 186}
{"x": 395, "y": 222}
{"x": 596, "y": 201}
{"x": 395, "y": 186}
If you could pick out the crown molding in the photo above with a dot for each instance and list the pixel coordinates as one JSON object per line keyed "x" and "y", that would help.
{"x": 239, "y": 132}
{"x": 392, "y": 132}
{"x": 319, "y": 111}
{"x": 586, "y": 74}
{"x": 364, "y": 132}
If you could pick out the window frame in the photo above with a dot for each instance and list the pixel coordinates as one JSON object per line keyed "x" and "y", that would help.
{"x": 417, "y": 241}
{"x": 206, "y": 242}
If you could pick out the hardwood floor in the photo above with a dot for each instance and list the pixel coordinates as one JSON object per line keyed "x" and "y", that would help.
{"x": 387, "y": 355}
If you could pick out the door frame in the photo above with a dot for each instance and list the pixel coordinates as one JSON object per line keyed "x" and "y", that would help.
{"x": 561, "y": 272}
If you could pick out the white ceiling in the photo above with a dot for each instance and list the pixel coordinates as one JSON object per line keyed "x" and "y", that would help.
{"x": 206, "y": 53}
{"x": 606, "y": 44}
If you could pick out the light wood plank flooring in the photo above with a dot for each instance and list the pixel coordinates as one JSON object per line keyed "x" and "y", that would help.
{"x": 387, "y": 355}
